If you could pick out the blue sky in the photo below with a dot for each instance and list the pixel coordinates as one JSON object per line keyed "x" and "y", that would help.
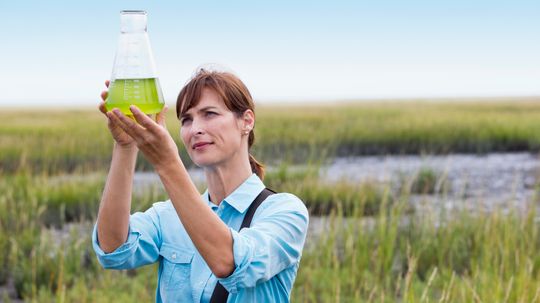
{"x": 60, "y": 52}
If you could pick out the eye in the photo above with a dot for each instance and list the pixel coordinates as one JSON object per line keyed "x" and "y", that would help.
{"x": 210, "y": 113}
{"x": 185, "y": 120}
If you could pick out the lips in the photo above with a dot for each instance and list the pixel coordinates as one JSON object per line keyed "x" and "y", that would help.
{"x": 200, "y": 145}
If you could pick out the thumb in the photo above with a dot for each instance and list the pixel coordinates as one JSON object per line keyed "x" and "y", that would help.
{"x": 160, "y": 117}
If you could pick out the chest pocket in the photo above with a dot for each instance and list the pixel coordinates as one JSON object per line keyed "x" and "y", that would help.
{"x": 176, "y": 267}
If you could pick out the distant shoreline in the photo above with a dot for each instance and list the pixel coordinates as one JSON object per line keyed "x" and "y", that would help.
{"x": 38, "y": 105}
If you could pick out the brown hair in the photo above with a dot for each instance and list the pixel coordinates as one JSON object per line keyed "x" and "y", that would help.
{"x": 232, "y": 91}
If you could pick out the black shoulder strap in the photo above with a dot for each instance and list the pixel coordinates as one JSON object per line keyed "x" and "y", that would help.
{"x": 220, "y": 294}
{"x": 253, "y": 207}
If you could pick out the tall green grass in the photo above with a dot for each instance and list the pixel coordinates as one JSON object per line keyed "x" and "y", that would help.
{"x": 375, "y": 249}
{"x": 463, "y": 257}
{"x": 74, "y": 140}
{"x": 45, "y": 249}
{"x": 320, "y": 197}
{"x": 402, "y": 127}
{"x": 387, "y": 255}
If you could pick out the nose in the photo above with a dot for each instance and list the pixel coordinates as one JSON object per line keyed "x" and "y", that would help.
{"x": 197, "y": 127}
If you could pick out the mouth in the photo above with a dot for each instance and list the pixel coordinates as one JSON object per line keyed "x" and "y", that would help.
{"x": 200, "y": 145}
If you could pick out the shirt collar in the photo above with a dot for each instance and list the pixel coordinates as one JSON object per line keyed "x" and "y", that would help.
{"x": 242, "y": 197}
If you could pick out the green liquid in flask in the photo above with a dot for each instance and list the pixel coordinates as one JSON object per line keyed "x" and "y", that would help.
{"x": 144, "y": 93}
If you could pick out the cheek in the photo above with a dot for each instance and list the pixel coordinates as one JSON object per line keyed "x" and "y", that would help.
{"x": 184, "y": 136}
{"x": 221, "y": 128}
{"x": 231, "y": 132}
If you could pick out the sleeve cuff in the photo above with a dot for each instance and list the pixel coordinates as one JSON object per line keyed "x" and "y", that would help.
{"x": 241, "y": 258}
{"x": 120, "y": 255}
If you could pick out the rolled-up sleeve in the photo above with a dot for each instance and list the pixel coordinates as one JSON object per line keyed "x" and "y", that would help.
{"x": 273, "y": 243}
{"x": 141, "y": 247}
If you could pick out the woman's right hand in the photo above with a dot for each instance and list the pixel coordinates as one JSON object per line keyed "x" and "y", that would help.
{"x": 119, "y": 135}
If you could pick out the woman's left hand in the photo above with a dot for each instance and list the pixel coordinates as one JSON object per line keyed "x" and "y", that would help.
{"x": 151, "y": 137}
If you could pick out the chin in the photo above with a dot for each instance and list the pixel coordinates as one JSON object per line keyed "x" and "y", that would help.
{"x": 203, "y": 161}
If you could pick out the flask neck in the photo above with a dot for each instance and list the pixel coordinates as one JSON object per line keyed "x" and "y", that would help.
{"x": 132, "y": 21}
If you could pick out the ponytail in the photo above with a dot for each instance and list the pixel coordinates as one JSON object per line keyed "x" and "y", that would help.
{"x": 256, "y": 167}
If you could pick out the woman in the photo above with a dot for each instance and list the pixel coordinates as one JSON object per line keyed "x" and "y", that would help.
{"x": 197, "y": 238}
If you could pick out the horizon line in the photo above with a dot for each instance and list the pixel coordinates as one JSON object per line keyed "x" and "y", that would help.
{"x": 292, "y": 102}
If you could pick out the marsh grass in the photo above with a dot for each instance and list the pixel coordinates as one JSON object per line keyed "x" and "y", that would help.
{"x": 43, "y": 258}
{"x": 74, "y": 140}
{"x": 375, "y": 248}
{"x": 462, "y": 257}
{"x": 426, "y": 181}
{"x": 391, "y": 255}
{"x": 320, "y": 197}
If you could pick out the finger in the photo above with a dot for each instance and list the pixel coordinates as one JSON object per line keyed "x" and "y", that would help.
{"x": 102, "y": 107}
{"x": 128, "y": 125}
{"x": 112, "y": 120}
{"x": 144, "y": 120}
{"x": 107, "y": 82}
{"x": 160, "y": 117}
{"x": 114, "y": 123}
{"x": 104, "y": 95}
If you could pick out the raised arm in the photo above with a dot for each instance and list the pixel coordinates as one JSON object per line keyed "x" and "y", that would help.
{"x": 114, "y": 209}
{"x": 115, "y": 206}
{"x": 209, "y": 234}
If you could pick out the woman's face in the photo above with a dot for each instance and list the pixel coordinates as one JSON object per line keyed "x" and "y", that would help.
{"x": 212, "y": 133}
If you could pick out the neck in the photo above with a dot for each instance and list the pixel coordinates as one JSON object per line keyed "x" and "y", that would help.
{"x": 224, "y": 178}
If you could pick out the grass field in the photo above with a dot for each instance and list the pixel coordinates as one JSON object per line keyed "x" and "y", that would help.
{"x": 70, "y": 140}
{"x": 390, "y": 256}
{"x": 53, "y": 165}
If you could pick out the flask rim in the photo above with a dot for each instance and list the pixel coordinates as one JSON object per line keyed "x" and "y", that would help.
{"x": 133, "y": 12}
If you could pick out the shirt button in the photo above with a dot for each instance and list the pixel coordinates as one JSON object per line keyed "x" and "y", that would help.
{"x": 173, "y": 256}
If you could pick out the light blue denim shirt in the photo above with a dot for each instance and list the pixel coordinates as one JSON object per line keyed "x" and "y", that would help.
{"x": 266, "y": 255}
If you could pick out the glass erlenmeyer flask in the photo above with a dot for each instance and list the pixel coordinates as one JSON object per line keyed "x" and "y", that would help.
{"x": 134, "y": 79}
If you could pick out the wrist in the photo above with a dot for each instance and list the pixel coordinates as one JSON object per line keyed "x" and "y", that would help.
{"x": 126, "y": 147}
{"x": 171, "y": 167}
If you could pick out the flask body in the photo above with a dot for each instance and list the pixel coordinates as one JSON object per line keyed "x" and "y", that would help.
{"x": 144, "y": 93}
{"x": 134, "y": 79}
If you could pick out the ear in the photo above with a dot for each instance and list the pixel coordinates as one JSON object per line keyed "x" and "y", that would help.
{"x": 248, "y": 120}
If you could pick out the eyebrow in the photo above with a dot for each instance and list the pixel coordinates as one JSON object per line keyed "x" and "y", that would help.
{"x": 207, "y": 108}
{"x": 201, "y": 110}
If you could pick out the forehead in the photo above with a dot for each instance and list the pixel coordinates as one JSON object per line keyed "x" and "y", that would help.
{"x": 209, "y": 98}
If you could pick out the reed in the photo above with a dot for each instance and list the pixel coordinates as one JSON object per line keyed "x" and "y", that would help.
{"x": 372, "y": 247}
{"x": 74, "y": 140}
{"x": 392, "y": 255}
{"x": 458, "y": 257}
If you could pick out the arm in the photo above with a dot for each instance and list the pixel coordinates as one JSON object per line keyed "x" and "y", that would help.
{"x": 115, "y": 206}
{"x": 273, "y": 243}
{"x": 142, "y": 245}
{"x": 114, "y": 209}
{"x": 208, "y": 233}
